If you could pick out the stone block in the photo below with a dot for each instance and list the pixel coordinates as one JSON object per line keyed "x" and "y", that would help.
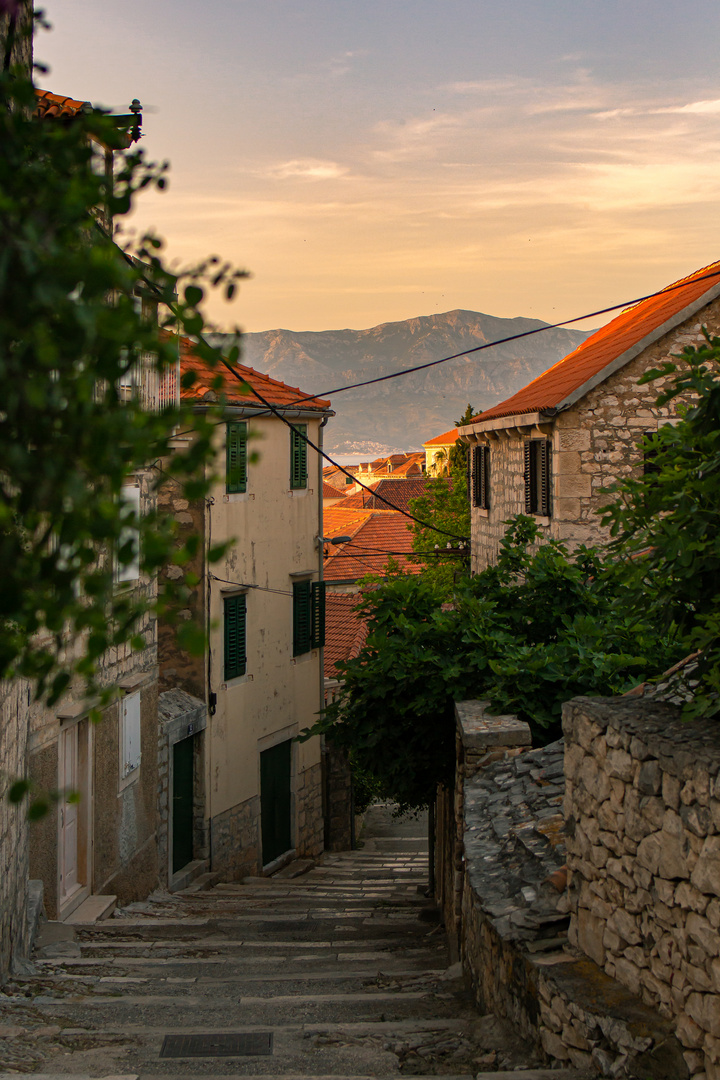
{"x": 553, "y": 1044}
{"x": 671, "y": 790}
{"x": 590, "y": 930}
{"x": 706, "y": 874}
{"x": 688, "y": 1030}
{"x": 628, "y": 974}
{"x": 687, "y": 896}
{"x": 649, "y": 779}
{"x": 699, "y": 929}
{"x": 625, "y": 925}
{"x": 620, "y": 765}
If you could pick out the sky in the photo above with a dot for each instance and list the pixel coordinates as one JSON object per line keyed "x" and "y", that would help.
{"x": 374, "y": 160}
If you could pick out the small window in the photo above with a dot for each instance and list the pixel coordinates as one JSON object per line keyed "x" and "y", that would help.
{"x": 537, "y": 477}
{"x": 481, "y": 477}
{"x": 129, "y": 542}
{"x": 298, "y": 456}
{"x": 129, "y": 734}
{"x": 236, "y": 457}
{"x": 235, "y": 659}
{"x": 308, "y": 616}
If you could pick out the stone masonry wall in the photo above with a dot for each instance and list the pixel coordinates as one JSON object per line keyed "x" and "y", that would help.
{"x": 234, "y": 845}
{"x": 643, "y": 814}
{"x": 338, "y": 798}
{"x": 309, "y": 809}
{"x": 14, "y": 712}
{"x": 594, "y": 443}
{"x": 178, "y": 667}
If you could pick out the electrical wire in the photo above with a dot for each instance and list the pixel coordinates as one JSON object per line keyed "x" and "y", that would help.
{"x": 247, "y": 585}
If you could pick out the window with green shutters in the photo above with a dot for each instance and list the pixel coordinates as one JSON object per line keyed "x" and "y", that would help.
{"x": 236, "y": 457}
{"x": 235, "y": 659}
{"x": 298, "y": 456}
{"x": 308, "y": 616}
{"x": 538, "y": 477}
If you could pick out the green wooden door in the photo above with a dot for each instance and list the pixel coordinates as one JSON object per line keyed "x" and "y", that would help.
{"x": 275, "y": 813}
{"x": 182, "y": 804}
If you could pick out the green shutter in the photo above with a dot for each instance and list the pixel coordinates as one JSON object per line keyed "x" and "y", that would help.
{"x": 298, "y": 456}
{"x": 302, "y": 618}
{"x": 318, "y": 615}
{"x": 235, "y": 637}
{"x": 236, "y": 457}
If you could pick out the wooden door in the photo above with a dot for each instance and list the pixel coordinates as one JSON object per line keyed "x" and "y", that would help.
{"x": 182, "y": 804}
{"x": 275, "y": 801}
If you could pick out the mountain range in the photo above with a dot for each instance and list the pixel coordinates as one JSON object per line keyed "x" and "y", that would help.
{"x": 402, "y": 413}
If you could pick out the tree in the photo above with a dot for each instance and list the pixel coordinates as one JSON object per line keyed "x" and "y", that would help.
{"x": 445, "y": 502}
{"x": 72, "y": 338}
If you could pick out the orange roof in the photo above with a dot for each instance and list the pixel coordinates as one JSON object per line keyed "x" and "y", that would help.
{"x": 330, "y": 492}
{"x": 612, "y": 346}
{"x": 47, "y": 104}
{"x": 443, "y": 440}
{"x": 340, "y": 521}
{"x": 238, "y": 390}
{"x": 398, "y": 492}
{"x": 345, "y": 631}
{"x": 381, "y": 533}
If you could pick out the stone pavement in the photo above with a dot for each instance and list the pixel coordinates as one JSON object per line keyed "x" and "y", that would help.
{"x": 340, "y": 972}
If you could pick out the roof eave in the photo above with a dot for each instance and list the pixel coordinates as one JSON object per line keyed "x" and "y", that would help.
{"x": 630, "y": 354}
{"x": 500, "y": 423}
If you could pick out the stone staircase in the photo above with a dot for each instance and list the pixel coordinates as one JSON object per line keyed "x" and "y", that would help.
{"x": 340, "y": 972}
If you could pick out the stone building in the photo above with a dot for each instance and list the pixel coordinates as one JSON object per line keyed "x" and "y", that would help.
{"x": 437, "y": 452}
{"x": 551, "y": 448}
{"x": 244, "y": 795}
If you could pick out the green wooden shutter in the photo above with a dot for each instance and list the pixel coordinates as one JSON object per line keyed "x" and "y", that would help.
{"x": 298, "y": 456}
{"x": 318, "y": 615}
{"x": 527, "y": 450}
{"x": 235, "y": 637}
{"x": 236, "y": 457}
{"x": 544, "y": 478}
{"x": 302, "y": 618}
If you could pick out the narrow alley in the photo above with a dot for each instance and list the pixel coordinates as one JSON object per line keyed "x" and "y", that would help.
{"x": 341, "y": 971}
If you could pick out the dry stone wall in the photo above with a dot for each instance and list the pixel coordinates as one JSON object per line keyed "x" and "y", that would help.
{"x": 14, "y": 716}
{"x": 642, "y": 806}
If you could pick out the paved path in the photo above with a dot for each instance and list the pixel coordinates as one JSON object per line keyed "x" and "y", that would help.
{"x": 341, "y": 972}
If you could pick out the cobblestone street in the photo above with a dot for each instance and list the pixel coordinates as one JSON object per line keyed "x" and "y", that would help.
{"x": 342, "y": 971}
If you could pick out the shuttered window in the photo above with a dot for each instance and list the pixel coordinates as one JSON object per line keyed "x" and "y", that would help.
{"x": 308, "y": 616}
{"x": 236, "y": 457}
{"x": 298, "y": 456}
{"x": 235, "y": 659}
{"x": 537, "y": 477}
{"x": 481, "y": 477}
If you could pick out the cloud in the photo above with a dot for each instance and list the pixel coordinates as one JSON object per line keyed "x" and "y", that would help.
{"x": 307, "y": 169}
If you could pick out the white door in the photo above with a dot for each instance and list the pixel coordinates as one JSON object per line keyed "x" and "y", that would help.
{"x": 69, "y": 818}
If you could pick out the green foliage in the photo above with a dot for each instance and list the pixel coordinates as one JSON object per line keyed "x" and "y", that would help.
{"x": 71, "y": 333}
{"x": 526, "y": 634}
{"x": 666, "y": 523}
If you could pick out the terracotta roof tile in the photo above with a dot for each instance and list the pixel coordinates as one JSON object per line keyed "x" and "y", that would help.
{"x": 278, "y": 393}
{"x": 380, "y": 532}
{"x": 331, "y": 492}
{"x": 607, "y": 345}
{"x": 345, "y": 631}
{"x": 443, "y": 440}
{"x": 48, "y": 104}
{"x": 398, "y": 492}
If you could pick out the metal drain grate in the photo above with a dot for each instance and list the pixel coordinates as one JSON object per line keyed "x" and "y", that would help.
{"x": 247, "y": 1044}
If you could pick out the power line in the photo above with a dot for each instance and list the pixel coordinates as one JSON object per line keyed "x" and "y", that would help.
{"x": 502, "y": 341}
{"x": 247, "y": 585}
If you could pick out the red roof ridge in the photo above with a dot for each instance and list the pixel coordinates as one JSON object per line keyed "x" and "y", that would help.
{"x": 613, "y": 345}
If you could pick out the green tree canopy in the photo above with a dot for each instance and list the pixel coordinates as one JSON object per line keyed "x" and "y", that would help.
{"x": 72, "y": 333}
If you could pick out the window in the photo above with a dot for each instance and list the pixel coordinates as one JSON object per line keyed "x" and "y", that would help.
{"x": 481, "y": 477}
{"x": 129, "y": 541}
{"x": 537, "y": 477}
{"x": 129, "y": 734}
{"x": 236, "y": 457}
{"x": 308, "y": 616}
{"x": 298, "y": 456}
{"x": 235, "y": 659}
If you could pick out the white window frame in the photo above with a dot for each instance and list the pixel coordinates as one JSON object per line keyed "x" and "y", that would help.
{"x": 130, "y": 738}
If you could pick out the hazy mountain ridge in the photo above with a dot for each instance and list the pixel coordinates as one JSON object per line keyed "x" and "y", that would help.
{"x": 406, "y": 411}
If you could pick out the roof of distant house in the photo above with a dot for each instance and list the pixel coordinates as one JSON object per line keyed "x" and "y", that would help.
{"x": 444, "y": 439}
{"x": 399, "y": 492}
{"x": 345, "y": 631}
{"x": 379, "y": 533}
{"x": 237, "y": 390}
{"x": 330, "y": 492}
{"x": 612, "y": 346}
{"x": 48, "y": 104}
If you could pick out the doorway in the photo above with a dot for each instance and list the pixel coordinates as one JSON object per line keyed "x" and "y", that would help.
{"x": 275, "y": 801}
{"x": 182, "y": 803}
{"x": 73, "y": 816}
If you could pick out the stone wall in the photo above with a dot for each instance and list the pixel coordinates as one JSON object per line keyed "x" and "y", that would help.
{"x": 309, "y": 811}
{"x": 515, "y": 914}
{"x": 643, "y": 812}
{"x": 14, "y": 713}
{"x": 178, "y": 667}
{"x": 594, "y": 443}
{"x": 338, "y": 798}
{"x": 234, "y": 841}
